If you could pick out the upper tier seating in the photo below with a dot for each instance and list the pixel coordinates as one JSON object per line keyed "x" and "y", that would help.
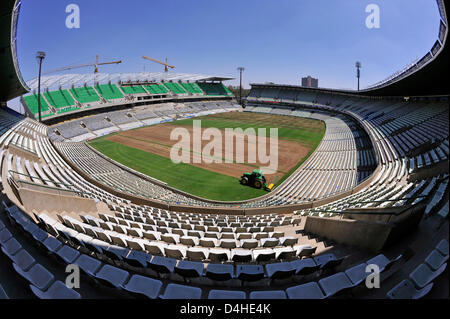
{"x": 175, "y": 88}
{"x": 133, "y": 89}
{"x": 33, "y": 104}
{"x": 59, "y": 99}
{"x": 192, "y": 88}
{"x": 156, "y": 89}
{"x": 109, "y": 91}
{"x": 214, "y": 89}
{"x": 85, "y": 94}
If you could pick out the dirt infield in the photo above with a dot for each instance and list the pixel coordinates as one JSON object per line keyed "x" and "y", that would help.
{"x": 156, "y": 140}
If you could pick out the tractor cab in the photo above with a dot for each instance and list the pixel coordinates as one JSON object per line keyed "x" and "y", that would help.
{"x": 254, "y": 179}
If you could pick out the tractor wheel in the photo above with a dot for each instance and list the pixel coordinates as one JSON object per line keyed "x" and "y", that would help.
{"x": 244, "y": 181}
{"x": 258, "y": 184}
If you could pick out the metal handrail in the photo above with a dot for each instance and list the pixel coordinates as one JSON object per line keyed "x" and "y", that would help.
{"x": 16, "y": 182}
{"x": 45, "y": 186}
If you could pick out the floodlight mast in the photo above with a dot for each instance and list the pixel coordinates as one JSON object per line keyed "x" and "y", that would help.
{"x": 241, "y": 70}
{"x": 358, "y": 71}
{"x": 40, "y": 56}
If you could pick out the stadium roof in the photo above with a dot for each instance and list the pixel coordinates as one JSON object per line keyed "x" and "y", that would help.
{"x": 67, "y": 80}
{"x": 12, "y": 84}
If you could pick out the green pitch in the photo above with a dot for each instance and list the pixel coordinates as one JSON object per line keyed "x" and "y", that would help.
{"x": 208, "y": 184}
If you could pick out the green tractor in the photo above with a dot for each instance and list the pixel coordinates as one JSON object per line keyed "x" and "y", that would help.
{"x": 255, "y": 179}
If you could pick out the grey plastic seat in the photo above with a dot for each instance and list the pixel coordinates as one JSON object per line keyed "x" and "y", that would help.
{"x": 176, "y": 291}
{"x": 189, "y": 269}
{"x": 357, "y": 274}
{"x": 189, "y": 241}
{"x": 277, "y": 234}
{"x": 435, "y": 260}
{"x": 249, "y": 272}
{"x": 260, "y": 236}
{"x": 383, "y": 262}
{"x": 305, "y": 267}
{"x": 219, "y": 254}
{"x": 269, "y": 242}
{"x": 115, "y": 252}
{"x": 170, "y": 238}
{"x": 135, "y": 243}
{"x": 67, "y": 254}
{"x": 309, "y": 290}
{"x": 112, "y": 276}
{"x": 162, "y": 264}
{"x": 284, "y": 253}
{"x": 23, "y": 259}
{"x": 197, "y": 253}
{"x": 5, "y": 235}
{"x": 243, "y": 236}
{"x": 268, "y": 294}
{"x": 303, "y": 251}
{"x": 423, "y": 275}
{"x": 151, "y": 235}
{"x": 328, "y": 261}
{"x": 137, "y": 259}
{"x": 97, "y": 246}
{"x": 39, "y": 236}
{"x": 37, "y": 275}
{"x": 11, "y": 247}
{"x": 143, "y": 286}
{"x": 58, "y": 290}
{"x": 288, "y": 241}
{"x": 263, "y": 254}
{"x": 407, "y": 290}
{"x": 219, "y": 272}
{"x": 52, "y": 244}
{"x": 87, "y": 264}
{"x": 228, "y": 243}
{"x": 249, "y": 243}
{"x": 226, "y": 294}
{"x": 442, "y": 247}
{"x": 230, "y": 236}
{"x": 154, "y": 248}
{"x": 280, "y": 270}
{"x": 175, "y": 251}
{"x": 208, "y": 242}
{"x": 241, "y": 255}
{"x": 335, "y": 284}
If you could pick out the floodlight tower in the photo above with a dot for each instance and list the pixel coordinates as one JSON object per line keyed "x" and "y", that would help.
{"x": 241, "y": 70}
{"x": 358, "y": 71}
{"x": 40, "y": 56}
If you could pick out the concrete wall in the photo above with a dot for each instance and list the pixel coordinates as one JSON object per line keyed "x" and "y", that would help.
{"x": 369, "y": 236}
{"x": 46, "y": 201}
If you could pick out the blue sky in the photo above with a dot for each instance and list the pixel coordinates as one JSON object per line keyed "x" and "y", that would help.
{"x": 275, "y": 40}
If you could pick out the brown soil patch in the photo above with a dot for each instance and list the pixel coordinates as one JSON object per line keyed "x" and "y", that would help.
{"x": 156, "y": 140}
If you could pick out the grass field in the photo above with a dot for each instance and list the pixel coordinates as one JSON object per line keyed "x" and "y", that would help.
{"x": 206, "y": 183}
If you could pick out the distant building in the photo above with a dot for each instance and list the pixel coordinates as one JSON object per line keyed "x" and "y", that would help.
{"x": 310, "y": 82}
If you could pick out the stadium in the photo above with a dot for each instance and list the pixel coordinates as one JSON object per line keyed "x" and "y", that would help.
{"x": 88, "y": 182}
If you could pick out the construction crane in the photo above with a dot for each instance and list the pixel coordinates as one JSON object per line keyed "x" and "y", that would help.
{"x": 166, "y": 65}
{"x": 96, "y": 65}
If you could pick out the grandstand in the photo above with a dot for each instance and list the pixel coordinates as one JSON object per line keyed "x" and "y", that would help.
{"x": 93, "y": 94}
{"x": 374, "y": 192}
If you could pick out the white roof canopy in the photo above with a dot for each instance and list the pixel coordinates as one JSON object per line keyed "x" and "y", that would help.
{"x": 53, "y": 82}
